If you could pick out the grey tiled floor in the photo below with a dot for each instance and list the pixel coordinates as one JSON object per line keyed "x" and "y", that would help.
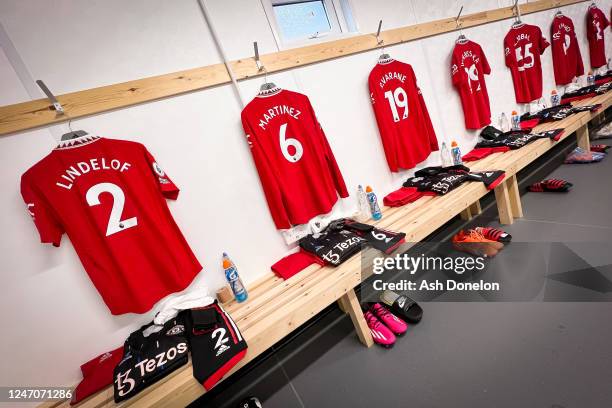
{"x": 542, "y": 353}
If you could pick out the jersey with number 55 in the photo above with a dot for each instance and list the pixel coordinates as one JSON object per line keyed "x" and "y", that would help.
{"x": 296, "y": 166}
{"x": 523, "y": 46}
{"x": 108, "y": 196}
{"x": 405, "y": 128}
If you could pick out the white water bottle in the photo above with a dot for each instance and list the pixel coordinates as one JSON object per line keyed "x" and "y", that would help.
{"x": 445, "y": 155}
{"x": 363, "y": 211}
{"x": 504, "y": 124}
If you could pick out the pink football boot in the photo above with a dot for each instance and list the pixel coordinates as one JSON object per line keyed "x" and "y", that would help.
{"x": 394, "y": 323}
{"x": 380, "y": 333}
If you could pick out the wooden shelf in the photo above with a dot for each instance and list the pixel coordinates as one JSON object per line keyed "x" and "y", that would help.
{"x": 37, "y": 113}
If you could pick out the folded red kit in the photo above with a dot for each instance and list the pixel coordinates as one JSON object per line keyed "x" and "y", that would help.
{"x": 482, "y": 152}
{"x": 402, "y": 196}
{"x": 97, "y": 374}
{"x": 295, "y": 263}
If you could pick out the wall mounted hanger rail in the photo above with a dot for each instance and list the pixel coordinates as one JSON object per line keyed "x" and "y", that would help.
{"x": 37, "y": 113}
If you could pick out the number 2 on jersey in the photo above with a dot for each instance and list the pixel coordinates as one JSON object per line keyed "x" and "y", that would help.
{"x": 114, "y": 221}
{"x": 397, "y": 99}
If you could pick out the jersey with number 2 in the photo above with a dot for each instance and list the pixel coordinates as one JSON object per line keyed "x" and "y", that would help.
{"x": 297, "y": 168}
{"x": 108, "y": 196}
{"x": 523, "y": 46}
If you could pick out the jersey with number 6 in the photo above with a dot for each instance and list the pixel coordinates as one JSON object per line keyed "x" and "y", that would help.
{"x": 108, "y": 196}
{"x": 405, "y": 128}
{"x": 298, "y": 171}
{"x": 523, "y": 46}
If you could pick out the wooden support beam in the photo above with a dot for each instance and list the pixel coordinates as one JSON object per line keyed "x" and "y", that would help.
{"x": 515, "y": 197}
{"x": 475, "y": 208}
{"x": 353, "y": 307}
{"x": 342, "y": 305}
{"x": 37, "y": 113}
{"x": 466, "y": 214}
{"x": 582, "y": 137}
{"x": 503, "y": 204}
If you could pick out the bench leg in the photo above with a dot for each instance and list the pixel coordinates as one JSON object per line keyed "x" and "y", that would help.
{"x": 342, "y": 306}
{"x": 475, "y": 209}
{"x": 582, "y": 136}
{"x": 350, "y": 302}
{"x": 503, "y": 204}
{"x": 515, "y": 197}
{"x": 466, "y": 214}
{"x": 470, "y": 212}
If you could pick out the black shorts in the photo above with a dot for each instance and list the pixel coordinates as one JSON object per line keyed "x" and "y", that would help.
{"x": 216, "y": 343}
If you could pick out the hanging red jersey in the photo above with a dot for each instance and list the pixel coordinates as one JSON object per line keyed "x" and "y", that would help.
{"x": 523, "y": 46}
{"x": 405, "y": 128}
{"x": 108, "y": 197}
{"x": 297, "y": 168}
{"x": 567, "y": 61}
{"x": 596, "y": 24}
{"x": 468, "y": 68}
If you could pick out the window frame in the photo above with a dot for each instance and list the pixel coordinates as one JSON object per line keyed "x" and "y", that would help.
{"x": 335, "y": 10}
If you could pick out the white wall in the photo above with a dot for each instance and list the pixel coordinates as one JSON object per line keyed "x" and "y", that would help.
{"x": 54, "y": 319}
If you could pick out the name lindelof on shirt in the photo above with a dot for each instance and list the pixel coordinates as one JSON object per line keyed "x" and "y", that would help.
{"x": 391, "y": 75}
{"x": 277, "y": 111}
{"x": 68, "y": 177}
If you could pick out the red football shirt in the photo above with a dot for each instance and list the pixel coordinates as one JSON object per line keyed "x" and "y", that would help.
{"x": 596, "y": 24}
{"x": 468, "y": 68}
{"x": 108, "y": 196}
{"x": 405, "y": 128}
{"x": 567, "y": 60}
{"x": 297, "y": 168}
{"x": 523, "y": 46}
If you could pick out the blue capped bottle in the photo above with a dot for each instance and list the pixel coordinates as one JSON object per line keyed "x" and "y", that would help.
{"x": 231, "y": 274}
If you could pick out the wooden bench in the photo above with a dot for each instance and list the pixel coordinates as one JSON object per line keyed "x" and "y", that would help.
{"x": 276, "y": 307}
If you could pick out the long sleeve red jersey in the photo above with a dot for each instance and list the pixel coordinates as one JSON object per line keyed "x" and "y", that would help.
{"x": 405, "y": 128}
{"x": 567, "y": 60}
{"x": 468, "y": 68}
{"x": 297, "y": 168}
{"x": 523, "y": 46}
{"x": 596, "y": 24}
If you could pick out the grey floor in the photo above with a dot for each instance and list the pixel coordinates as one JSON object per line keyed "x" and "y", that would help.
{"x": 551, "y": 348}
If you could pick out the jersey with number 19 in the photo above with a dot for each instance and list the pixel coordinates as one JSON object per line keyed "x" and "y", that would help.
{"x": 108, "y": 196}
{"x": 405, "y": 128}
{"x": 297, "y": 168}
{"x": 523, "y": 46}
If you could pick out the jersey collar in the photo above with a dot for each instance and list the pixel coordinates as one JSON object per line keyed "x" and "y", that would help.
{"x": 385, "y": 61}
{"x": 76, "y": 142}
{"x": 268, "y": 92}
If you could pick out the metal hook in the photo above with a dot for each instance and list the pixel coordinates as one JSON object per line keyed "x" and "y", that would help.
{"x": 381, "y": 43}
{"x": 56, "y": 105}
{"x": 261, "y": 68}
{"x": 459, "y": 25}
{"x": 517, "y": 11}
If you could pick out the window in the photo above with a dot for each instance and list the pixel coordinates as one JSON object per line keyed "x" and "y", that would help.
{"x": 298, "y": 22}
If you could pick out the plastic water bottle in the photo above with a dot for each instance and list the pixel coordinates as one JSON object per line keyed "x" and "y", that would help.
{"x": 516, "y": 121}
{"x": 590, "y": 78}
{"x": 362, "y": 201}
{"x": 555, "y": 98}
{"x": 231, "y": 274}
{"x": 373, "y": 201}
{"x": 456, "y": 153}
{"x": 445, "y": 156}
{"x": 504, "y": 124}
